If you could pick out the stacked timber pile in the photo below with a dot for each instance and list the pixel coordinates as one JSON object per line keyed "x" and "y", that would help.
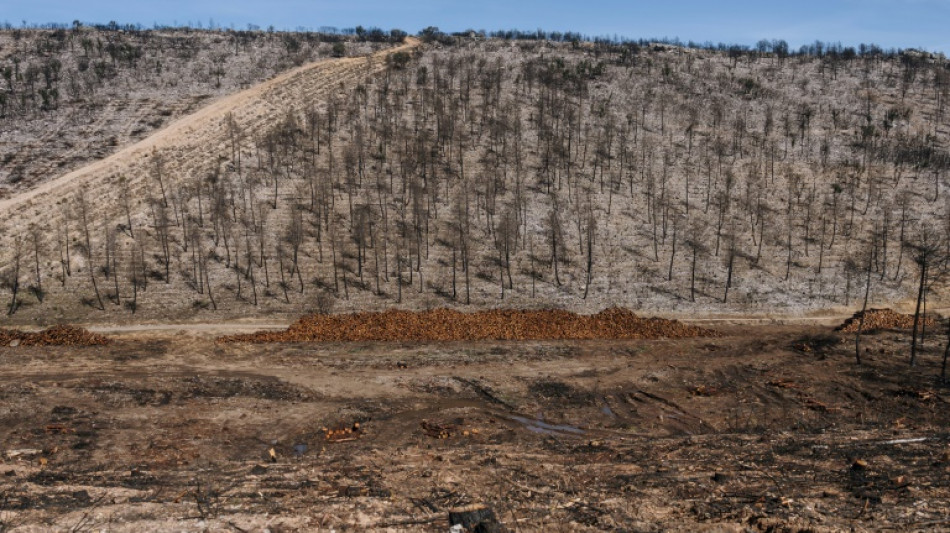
{"x": 878, "y": 319}
{"x": 54, "y": 336}
{"x": 450, "y": 325}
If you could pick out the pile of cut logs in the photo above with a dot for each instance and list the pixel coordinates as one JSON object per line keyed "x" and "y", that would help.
{"x": 54, "y": 336}
{"x": 451, "y": 325}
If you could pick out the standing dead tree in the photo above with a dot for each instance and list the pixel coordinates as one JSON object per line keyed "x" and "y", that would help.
{"x": 870, "y": 258}
{"x": 87, "y": 250}
{"x": 11, "y": 278}
{"x": 924, "y": 248}
{"x": 36, "y": 240}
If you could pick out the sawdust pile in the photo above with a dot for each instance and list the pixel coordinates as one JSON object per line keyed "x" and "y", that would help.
{"x": 877, "y": 319}
{"x": 54, "y": 336}
{"x": 450, "y": 325}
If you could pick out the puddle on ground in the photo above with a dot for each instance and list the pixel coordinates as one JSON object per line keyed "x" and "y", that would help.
{"x": 538, "y": 426}
{"x": 300, "y": 449}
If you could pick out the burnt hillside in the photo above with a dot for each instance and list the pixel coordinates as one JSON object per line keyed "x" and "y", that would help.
{"x": 69, "y": 97}
{"x": 467, "y": 172}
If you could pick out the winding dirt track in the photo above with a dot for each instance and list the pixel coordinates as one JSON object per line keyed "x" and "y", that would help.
{"x": 190, "y": 145}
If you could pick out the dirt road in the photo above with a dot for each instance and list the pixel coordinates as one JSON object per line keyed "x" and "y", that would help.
{"x": 213, "y": 329}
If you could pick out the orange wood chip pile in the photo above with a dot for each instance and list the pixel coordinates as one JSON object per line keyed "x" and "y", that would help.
{"x": 450, "y": 325}
{"x": 54, "y": 336}
{"x": 882, "y": 319}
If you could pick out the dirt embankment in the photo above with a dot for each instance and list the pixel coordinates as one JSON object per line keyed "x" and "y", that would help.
{"x": 450, "y": 325}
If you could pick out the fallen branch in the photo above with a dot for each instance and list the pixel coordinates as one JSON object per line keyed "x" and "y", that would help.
{"x": 905, "y": 441}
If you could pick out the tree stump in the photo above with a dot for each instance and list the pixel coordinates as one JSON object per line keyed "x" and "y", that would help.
{"x": 476, "y": 518}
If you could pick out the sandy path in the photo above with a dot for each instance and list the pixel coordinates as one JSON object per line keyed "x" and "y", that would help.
{"x": 211, "y": 328}
{"x": 186, "y": 127}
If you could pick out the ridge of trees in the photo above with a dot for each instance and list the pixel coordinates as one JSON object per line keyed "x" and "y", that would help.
{"x": 764, "y": 47}
{"x": 618, "y": 44}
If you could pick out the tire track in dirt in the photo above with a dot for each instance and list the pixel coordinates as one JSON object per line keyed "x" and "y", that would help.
{"x": 189, "y": 145}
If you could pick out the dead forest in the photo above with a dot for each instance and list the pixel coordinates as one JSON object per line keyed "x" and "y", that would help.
{"x": 473, "y": 172}
{"x": 73, "y": 96}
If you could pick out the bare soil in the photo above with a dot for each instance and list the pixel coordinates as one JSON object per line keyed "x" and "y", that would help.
{"x": 768, "y": 428}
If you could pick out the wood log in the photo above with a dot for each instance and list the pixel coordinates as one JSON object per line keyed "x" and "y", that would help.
{"x": 476, "y": 518}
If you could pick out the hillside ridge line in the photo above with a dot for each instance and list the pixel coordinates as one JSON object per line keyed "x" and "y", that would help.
{"x": 214, "y": 110}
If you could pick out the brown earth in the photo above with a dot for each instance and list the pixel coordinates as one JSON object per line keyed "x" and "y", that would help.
{"x": 496, "y": 324}
{"x": 767, "y": 428}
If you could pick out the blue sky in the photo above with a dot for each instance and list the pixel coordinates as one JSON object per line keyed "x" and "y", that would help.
{"x": 889, "y": 23}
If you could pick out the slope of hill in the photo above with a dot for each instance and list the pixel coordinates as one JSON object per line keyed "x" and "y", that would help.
{"x": 70, "y": 97}
{"x": 493, "y": 173}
